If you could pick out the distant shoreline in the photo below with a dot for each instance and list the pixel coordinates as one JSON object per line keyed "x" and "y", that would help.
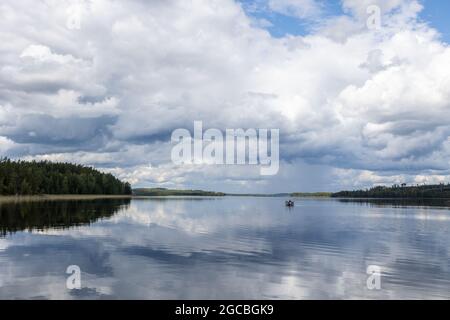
{"x": 50, "y": 197}
{"x": 68, "y": 197}
{"x": 184, "y": 192}
{"x": 403, "y": 191}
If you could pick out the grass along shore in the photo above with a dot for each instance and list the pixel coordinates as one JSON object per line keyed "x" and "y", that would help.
{"x": 50, "y": 197}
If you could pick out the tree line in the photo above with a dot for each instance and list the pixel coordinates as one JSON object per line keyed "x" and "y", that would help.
{"x": 399, "y": 191}
{"x": 44, "y": 177}
{"x": 155, "y": 192}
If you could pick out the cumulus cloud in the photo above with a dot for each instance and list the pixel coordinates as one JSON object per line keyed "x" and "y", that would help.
{"x": 110, "y": 92}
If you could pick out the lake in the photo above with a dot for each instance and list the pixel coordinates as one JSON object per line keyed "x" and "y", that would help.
{"x": 224, "y": 248}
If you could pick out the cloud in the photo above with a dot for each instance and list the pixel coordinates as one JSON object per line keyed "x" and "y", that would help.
{"x": 298, "y": 8}
{"x": 110, "y": 93}
{"x": 359, "y": 8}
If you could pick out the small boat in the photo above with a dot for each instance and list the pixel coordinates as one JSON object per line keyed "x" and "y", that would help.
{"x": 289, "y": 203}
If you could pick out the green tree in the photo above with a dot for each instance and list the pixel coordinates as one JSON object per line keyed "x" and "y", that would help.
{"x": 21, "y": 177}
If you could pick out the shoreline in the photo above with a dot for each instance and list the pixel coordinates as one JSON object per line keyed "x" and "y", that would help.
{"x": 51, "y": 197}
{"x": 62, "y": 197}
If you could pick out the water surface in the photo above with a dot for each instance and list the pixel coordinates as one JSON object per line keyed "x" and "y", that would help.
{"x": 224, "y": 248}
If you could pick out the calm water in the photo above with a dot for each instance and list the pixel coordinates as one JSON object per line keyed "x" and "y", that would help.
{"x": 239, "y": 248}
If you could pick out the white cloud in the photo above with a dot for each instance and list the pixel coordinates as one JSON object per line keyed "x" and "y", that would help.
{"x": 110, "y": 93}
{"x": 297, "y": 8}
{"x": 359, "y": 7}
{"x": 42, "y": 54}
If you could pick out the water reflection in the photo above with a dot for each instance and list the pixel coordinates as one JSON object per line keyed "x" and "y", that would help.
{"x": 397, "y": 203}
{"x": 42, "y": 215}
{"x": 235, "y": 248}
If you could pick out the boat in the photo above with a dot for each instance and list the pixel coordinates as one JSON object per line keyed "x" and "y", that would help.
{"x": 289, "y": 203}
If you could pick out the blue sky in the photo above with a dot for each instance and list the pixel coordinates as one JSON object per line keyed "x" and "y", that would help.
{"x": 436, "y": 13}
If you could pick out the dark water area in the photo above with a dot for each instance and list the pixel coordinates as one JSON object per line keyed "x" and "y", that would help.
{"x": 42, "y": 215}
{"x": 396, "y": 203}
{"x": 224, "y": 248}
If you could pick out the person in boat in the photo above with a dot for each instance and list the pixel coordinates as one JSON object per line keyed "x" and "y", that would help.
{"x": 290, "y": 203}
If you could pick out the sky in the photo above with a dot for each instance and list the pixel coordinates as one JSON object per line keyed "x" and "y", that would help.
{"x": 280, "y": 24}
{"x": 104, "y": 83}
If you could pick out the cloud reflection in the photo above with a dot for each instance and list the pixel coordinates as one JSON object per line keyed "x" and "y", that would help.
{"x": 231, "y": 248}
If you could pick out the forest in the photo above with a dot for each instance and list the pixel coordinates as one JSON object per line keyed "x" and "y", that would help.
{"x": 44, "y": 177}
{"x": 399, "y": 191}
